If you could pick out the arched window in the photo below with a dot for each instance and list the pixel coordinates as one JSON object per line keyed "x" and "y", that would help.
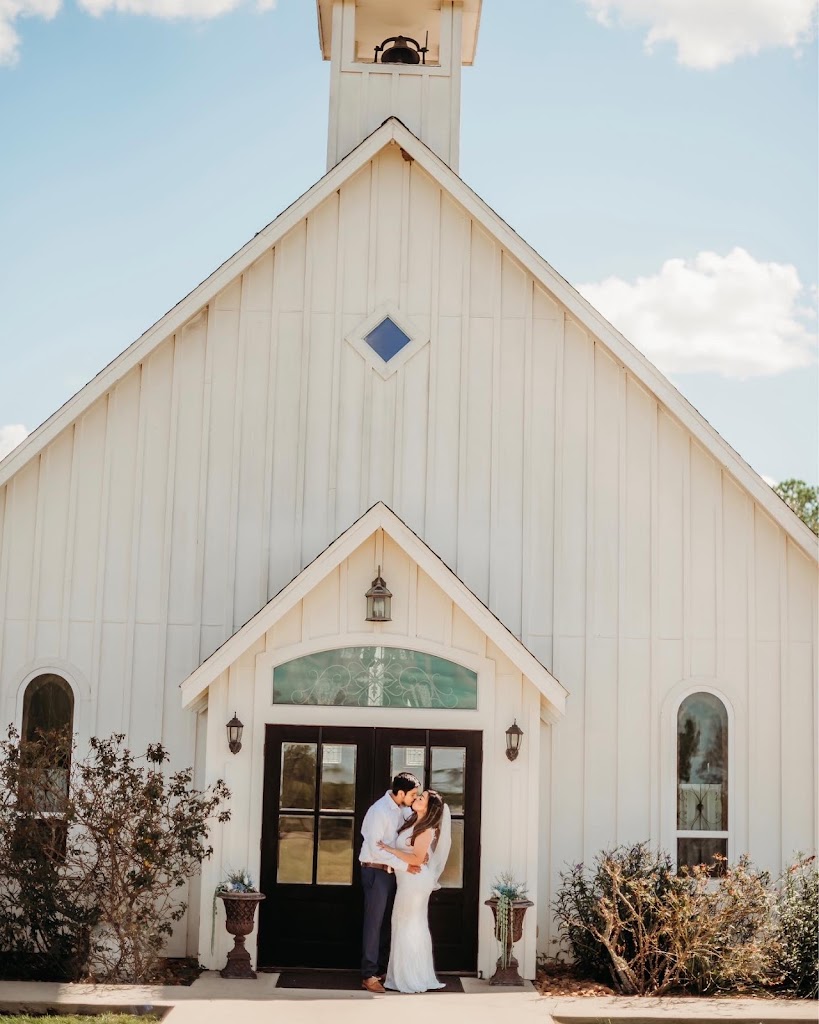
{"x": 48, "y": 706}
{"x": 702, "y": 781}
{"x": 48, "y": 712}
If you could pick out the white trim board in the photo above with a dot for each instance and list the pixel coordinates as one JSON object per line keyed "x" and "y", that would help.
{"x": 392, "y": 131}
{"x": 378, "y": 517}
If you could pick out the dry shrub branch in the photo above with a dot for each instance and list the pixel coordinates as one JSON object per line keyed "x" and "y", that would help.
{"x": 632, "y": 921}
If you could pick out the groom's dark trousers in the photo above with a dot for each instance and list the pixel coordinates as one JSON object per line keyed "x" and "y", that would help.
{"x": 379, "y": 896}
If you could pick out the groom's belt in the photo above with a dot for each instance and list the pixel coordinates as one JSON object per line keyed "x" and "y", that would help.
{"x": 378, "y": 867}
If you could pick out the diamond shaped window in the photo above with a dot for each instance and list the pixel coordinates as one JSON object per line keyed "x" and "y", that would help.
{"x": 387, "y": 339}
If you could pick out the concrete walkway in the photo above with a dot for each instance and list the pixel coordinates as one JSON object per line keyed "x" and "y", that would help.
{"x": 212, "y": 1000}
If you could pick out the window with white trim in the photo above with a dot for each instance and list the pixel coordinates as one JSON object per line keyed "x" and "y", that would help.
{"x": 702, "y": 782}
{"x": 46, "y": 736}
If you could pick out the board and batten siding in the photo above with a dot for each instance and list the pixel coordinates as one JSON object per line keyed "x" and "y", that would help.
{"x": 559, "y": 490}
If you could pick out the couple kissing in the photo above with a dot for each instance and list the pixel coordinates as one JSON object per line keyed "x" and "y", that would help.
{"x": 407, "y": 836}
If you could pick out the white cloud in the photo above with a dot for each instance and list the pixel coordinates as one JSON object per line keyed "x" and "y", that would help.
{"x": 769, "y": 480}
{"x": 12, "y": 10}
{"x": 198, "y": 9}
{"x": 10, "y": 437}
{"x": 708, "y": 33}
{"x": 730, "y": 315}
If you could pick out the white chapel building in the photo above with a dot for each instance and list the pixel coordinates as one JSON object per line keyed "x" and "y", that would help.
{"x": 388, "y": 382}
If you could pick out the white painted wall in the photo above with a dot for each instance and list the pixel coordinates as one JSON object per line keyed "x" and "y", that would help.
{"x": 553, "y": 484}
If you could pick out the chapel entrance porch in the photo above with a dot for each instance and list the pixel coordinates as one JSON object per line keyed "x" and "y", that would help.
{"x": 318, "y": 783}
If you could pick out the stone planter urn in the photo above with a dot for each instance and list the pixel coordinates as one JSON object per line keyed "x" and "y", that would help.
{"x": 240, "y": 911}
{"x": 506, "y": 969}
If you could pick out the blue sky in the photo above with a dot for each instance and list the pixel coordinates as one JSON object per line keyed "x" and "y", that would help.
{"x": 676, "y": 187}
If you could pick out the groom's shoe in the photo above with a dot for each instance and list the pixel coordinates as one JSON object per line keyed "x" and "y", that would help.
{"x": 373, "y": 985}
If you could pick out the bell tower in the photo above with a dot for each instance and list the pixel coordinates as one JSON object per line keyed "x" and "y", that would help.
{"x": 399, "y": 58}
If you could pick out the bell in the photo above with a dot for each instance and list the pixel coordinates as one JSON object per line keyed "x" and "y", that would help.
{"x": 400, "y": 52}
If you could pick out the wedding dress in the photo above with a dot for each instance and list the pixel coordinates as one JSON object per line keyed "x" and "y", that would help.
{"x": 411, "y": 967}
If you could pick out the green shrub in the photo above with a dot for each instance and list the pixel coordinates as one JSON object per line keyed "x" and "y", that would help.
{"x": 94, "y": 854}
{"x": 798, "y": 929}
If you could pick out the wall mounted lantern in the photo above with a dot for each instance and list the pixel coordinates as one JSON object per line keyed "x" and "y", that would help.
{"x": 234, "y": 732}
{"x": 379, "y": 600}
{"x": 514, "y": 734}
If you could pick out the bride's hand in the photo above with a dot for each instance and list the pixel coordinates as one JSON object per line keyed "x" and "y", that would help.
{"x": 382, "y": 845}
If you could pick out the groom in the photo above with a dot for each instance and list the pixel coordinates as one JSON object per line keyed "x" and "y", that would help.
{"x": 381, "y": 823}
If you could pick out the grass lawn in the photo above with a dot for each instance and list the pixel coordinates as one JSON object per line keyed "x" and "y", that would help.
{"x": 74, "y": 1018}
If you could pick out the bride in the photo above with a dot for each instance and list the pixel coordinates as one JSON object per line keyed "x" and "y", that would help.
{"x": 424, "y": 839}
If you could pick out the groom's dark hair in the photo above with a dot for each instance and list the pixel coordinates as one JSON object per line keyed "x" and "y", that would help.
{"x": 404, "y": 782}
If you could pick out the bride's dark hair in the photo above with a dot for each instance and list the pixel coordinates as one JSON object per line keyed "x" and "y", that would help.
{"x": 432, "y": 819}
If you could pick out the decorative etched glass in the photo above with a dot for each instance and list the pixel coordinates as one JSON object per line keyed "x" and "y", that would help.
{"x": 387, "y": 339}
{"x": 375, "y": 677}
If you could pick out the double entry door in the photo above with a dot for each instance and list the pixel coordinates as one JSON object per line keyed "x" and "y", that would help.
{"x": 319, "y": 782}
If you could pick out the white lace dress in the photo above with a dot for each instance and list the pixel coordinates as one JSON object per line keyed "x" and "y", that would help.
{"x": 411, "y": 968}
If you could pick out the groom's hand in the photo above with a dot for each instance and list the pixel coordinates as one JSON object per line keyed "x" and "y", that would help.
{"x": 414, "y": 869}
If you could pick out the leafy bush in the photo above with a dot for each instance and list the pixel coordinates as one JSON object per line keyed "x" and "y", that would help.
{"x": 798, "y": 929}
{"x": 93, "y": 854}
{"x": 143, "y": 835}
{"x": 46, "y": 914}
{"x": 633, "y": 922}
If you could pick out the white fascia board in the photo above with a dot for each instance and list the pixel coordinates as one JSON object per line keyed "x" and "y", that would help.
{"x": 641, "y": 368}
{"x": 194, "y": 302}
{"x": 378, "y": 517}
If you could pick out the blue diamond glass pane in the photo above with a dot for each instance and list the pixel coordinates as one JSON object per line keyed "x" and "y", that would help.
{"x": 387, "y": 339}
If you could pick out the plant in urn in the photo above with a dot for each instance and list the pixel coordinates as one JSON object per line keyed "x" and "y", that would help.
{"x": 509, "y": 905}
{"x": 240, "y": 898}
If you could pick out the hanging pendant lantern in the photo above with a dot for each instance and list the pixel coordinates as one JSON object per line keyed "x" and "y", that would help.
{"x": 379, "y": 601}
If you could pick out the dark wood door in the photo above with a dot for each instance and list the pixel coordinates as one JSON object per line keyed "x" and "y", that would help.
{"x": 319, "y": 782}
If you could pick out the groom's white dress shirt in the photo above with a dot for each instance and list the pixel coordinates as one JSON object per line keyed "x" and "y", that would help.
{"x": 381, "y": 822}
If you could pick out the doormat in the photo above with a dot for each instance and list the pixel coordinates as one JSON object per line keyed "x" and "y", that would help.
{"x": 344, "y": 981}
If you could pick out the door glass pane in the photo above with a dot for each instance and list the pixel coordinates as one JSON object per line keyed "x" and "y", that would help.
{"x": 298, "y": 788}
{"x": 335, "y": 853}
{"x": 453, "y": 876}
{"x": 408, "y": 759}
{"x": 338, "y": 777}
{"x": 448, "y": 776}
{"x": 295, "y": 849}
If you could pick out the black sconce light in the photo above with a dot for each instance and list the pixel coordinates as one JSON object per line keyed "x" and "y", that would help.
{"x": 234, "y": 732}
{"x": 514, "y": 734}
{"x": 378, "y": 601}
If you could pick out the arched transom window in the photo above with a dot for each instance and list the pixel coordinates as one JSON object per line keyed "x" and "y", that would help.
{"x": 702, "y": 781}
